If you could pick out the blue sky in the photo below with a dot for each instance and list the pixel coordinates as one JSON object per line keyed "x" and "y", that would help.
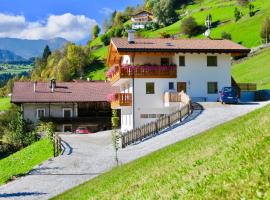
{"x": 42, "y": 19}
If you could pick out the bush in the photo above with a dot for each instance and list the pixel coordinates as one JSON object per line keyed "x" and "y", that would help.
{"x": 225, "y": 35}
{"x": 47, "y": 128}
{"x": 237, "y": 14}
{"x": 265, "y": 30}
{"x": 189, "y": 27}
{"x": 20, "y": 132}
{"x": 105, "y": 38}
{"x": 164, "y": 35}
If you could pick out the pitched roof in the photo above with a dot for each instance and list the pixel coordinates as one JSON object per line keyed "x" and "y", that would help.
{"x": 178, "y": 45}
{"x": 23, "y": 92}
{"x": 140, "y": 12}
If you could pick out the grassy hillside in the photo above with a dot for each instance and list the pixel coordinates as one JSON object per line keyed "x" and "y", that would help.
{"x": 4, "y": 103}
{"x": 230, "y": 161}
{"x": 256, "y": 69}
{"x": 23, "y": 161}
{"x": 245, "y": 31}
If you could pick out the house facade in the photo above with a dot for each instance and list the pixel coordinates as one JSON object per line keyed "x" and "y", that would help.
{"x": 141, "y": 20}
{"x": 68, "y": 104}
{"x": 152, "y": 72}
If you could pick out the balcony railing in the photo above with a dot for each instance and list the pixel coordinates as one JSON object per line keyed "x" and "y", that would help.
{"x": 175, "y": 97}
{"x": 118, "y": 72}
{"x": 120, "y": 100}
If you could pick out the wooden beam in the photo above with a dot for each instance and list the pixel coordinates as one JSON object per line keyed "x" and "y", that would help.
{"x": 147, "y": 53}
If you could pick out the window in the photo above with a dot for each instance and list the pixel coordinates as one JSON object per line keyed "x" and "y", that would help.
{"x": 171, "y": 85}
{"x": 67, "y": 112}
{"x": 150, "y": 88}
{"x": 164, "y": 61}
{"x": 182, "y": 86}
{"x": 212, "y": 87}
{"x": 211, "y": 61}
{"x": 67, "y": 128}
{"x": 144, "y": 116}
{"x": 182, "y": 61}
{"x": 40, "y": 113}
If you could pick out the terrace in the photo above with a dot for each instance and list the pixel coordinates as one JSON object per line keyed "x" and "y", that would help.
{"x": 118, "y": 72}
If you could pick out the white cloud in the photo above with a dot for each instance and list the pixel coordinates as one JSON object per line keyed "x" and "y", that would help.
{"x": 68, "y": 26}
{"x": 106, "y": 11}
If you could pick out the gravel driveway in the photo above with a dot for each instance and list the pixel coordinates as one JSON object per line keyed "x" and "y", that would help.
{"x": 87, "y": 156}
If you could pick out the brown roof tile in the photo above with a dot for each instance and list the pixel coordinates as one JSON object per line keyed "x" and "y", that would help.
{"x": 23, "y": 92}
{"x": 179, "y": 45}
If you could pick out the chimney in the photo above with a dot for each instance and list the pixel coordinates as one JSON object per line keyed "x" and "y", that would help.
{"x": 53, "y": 85}
{"x": 35, "y": 86}
{"x": 131, "y": 36}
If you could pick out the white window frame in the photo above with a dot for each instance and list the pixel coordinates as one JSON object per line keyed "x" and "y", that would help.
{"x": 40, "y": 109}
{"x": 65, "y": 109}
{"x": 64, "y": 125}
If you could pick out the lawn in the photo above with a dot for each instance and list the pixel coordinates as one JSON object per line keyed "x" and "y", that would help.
{"x": 5, "y": 103}
{"x": 24, "y": 160}
{"x": 231, "y": 161}
{"x": 254, "y": 70}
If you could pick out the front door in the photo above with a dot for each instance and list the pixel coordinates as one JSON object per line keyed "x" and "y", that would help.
{"x": 182, "y": 86}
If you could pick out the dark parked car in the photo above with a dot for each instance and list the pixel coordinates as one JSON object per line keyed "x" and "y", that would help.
{"x": 229, "y": 95}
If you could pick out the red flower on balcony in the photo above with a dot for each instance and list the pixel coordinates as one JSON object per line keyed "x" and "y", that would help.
{"x": 111, "y": 97}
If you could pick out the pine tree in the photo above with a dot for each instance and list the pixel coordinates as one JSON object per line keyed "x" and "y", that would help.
{"x": 46, "y": 53}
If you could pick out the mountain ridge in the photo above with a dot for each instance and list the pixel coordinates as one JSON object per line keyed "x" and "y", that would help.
{"x": 30, "y": 48}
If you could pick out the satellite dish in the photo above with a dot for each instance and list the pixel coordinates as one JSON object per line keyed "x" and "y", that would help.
{"x": 207, "y": 33}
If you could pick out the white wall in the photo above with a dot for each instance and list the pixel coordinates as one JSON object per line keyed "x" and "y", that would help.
{"x": 56, "y": 110}
{"x": 196, "y": 74}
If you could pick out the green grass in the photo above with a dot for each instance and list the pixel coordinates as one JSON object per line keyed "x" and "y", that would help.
{"x": 246, "y": 31}
{"x": 231, "y": 161}
{"x": 256, "y": 69}
{"x": 24, "y": 160}
{"x": 5, "y": 103}
{"x": 101, "y": 52}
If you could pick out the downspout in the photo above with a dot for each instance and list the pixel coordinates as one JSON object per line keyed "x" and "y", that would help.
{"x": 133, "y": 92}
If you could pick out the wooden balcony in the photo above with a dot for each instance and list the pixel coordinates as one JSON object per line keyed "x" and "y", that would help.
{"x": 127, "y": 72}
{"x": 121, "y": 100}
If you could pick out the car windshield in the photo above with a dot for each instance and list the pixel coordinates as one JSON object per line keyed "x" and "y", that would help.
{"x": 230, "y": 90}
{"x": 81, "y": 129}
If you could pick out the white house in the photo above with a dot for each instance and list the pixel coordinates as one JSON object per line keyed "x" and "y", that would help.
{"x": 141, "y": 19}
{"x": 151, "y": 73}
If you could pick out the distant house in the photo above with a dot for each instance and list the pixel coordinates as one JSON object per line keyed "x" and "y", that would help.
{"x": 67, "y": 104}
{"x": 141, "y": 19}
{"x": 151, "y": 72}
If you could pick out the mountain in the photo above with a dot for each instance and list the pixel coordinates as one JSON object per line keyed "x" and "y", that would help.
{"x": 30, "y": 48}
{"x": 7, "y": 56}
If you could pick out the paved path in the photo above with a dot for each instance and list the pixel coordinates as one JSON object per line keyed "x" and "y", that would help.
{"x": 87, "y": 156}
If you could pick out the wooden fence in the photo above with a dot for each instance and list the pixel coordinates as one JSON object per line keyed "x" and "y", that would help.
{"x": 247, "y": 86}
{"x": 57, "y": 145}
{"x": 153, "y": 128}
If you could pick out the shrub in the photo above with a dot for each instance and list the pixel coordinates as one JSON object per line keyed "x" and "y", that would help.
{"x": 237, "y": 14}
{"x": 265, "y": 30}
{"x": 105, "y": 38}
{"x": 251, "y": 10}
{"x": 20, "y": 132}
{"x": 164, "y": 35}
{"x": 48, "y": 128}
{"x": 225, "y": 35}
{"x": 189, "y": 26}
